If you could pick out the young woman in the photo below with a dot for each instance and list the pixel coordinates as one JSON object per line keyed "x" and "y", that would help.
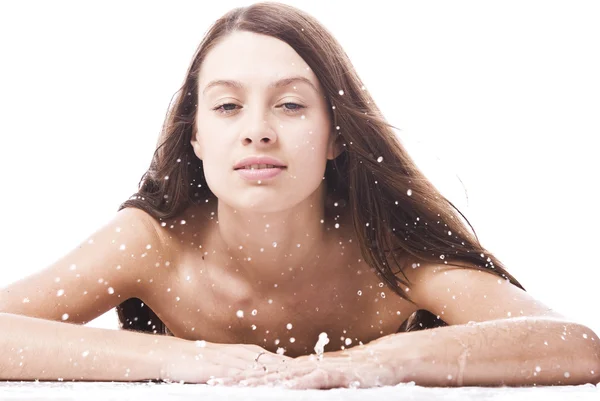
{"x": 281, "y": 217}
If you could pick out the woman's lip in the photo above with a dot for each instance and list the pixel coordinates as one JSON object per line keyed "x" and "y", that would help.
{"x": 252, "y": 160}
{"x": 244, "y": 168}
{"x": 259, "y": 173}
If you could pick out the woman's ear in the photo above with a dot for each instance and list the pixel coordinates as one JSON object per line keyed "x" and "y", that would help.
{"x": 196, "y": 146}
{"x": 335, "y": 146}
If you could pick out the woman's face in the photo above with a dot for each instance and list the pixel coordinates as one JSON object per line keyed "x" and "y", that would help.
{"x": 289, "y": 122}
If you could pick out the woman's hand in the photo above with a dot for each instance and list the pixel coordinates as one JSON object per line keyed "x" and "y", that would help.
{"x": 200, "y": 361}
{"x": 361, "y": 366}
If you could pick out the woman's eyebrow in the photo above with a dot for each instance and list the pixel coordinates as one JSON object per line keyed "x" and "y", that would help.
{"x": 276, "y": 84}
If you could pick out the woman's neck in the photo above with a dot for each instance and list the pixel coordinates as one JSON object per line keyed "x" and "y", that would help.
{"x": 262, "y": 245}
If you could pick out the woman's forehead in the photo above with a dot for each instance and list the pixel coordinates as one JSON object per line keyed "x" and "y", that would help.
{"x": 245, "y": 59}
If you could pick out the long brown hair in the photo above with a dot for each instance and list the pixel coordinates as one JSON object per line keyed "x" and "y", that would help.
{"x": 395, "y": 209}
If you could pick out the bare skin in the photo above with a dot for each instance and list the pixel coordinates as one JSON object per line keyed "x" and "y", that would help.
{"x": 198, "y": 297}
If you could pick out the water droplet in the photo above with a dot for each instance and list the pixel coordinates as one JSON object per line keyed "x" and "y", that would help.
{"x": 73, "y": 267}
{"x": 65, "y": 316}
{"x": 292, "y": 339}
{"x": 270, "y": 301}
{"x": 320, "y": 346}
{"x": 289, "y": 326}
{"x": 341, "y": 92}
{"x": 348, "y": 341}
{"x": 122, "y": 247}
{"x": 85, "y": 353}
{"x": 274, "y": 244}
{"x": 60, "y": 292}
{"x": 337, "y": 225}
{"x": 538, "y": 369}
{"x": 253, "y": 327}
{"x": 442, "y": 256}
{"x": 409, "y": 192}
{"x": 567, "y": 375}
{"x": 379, "y": 159}
{"x": 382, "y": 295}
{"x": 111, "y": 290}
{"x": 254, "y": 312}
{"x": 26, "y": 301}
{"x": 240, "y": 313}
{"x": 359, "y": 293}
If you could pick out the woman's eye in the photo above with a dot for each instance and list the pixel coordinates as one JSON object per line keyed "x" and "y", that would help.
{"x": 226, "y": 111}
{"x": 296, "y": 108}
{"x": 222, "y": 109}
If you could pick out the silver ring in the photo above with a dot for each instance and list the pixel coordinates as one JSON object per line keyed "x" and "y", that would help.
{"x": 258, "y": 356}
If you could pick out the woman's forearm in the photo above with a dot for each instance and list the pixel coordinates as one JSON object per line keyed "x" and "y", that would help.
{"x": 511, "y": 352}
{"x": 37, "y": 349}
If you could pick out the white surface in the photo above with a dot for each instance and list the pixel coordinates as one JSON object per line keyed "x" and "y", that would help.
{"x": 156, "y": 391}
{"x": 501, "y": 95}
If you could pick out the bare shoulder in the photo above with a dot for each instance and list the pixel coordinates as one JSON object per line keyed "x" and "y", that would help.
{"x": 107, "y": 268}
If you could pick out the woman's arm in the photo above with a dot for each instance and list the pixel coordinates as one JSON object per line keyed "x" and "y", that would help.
{"x": 40, "y": 314}
{"x": 509, "y": 352}
{"x": 38, "y": 349}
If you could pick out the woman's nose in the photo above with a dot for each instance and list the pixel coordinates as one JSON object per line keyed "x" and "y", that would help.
{"x": 259, "y": 133}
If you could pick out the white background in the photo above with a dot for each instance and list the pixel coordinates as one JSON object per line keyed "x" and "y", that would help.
{"x": 498, "y": 102}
